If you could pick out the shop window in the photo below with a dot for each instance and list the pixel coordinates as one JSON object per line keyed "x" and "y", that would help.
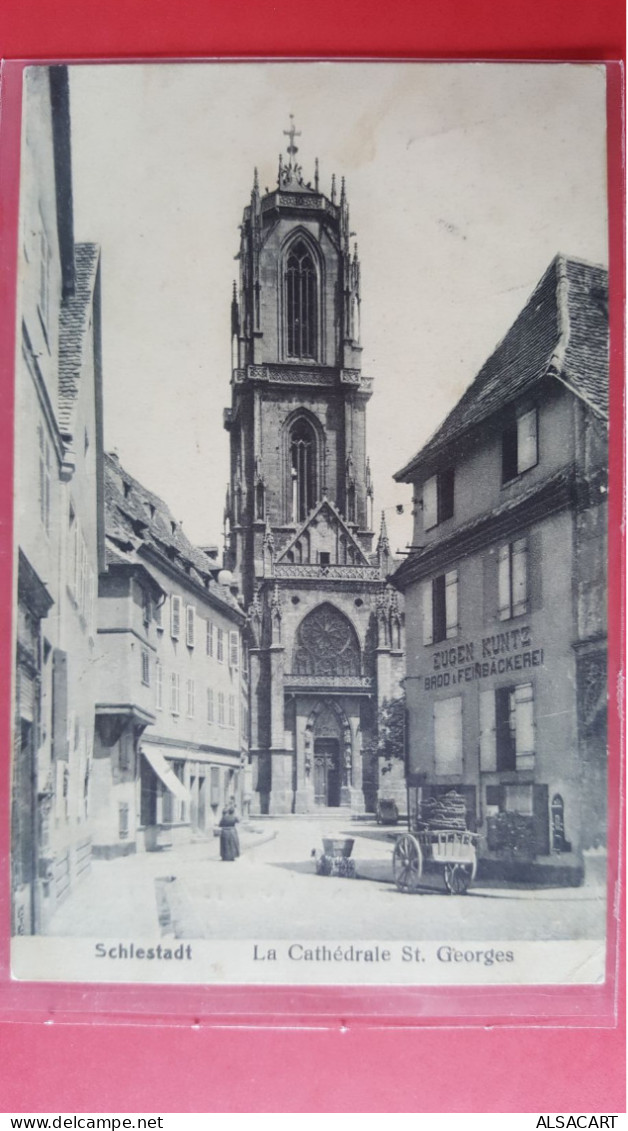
{"x": 190, "y": 624}
{"x": 507, "y": 732}
{"x": 448, "y": 735}
{"x": 214, "y": 786}
{"x": 175, "y": 617}
{"x": 559, "y": 840}
{"x": 440, "y": 608}
{"x": 520, "y": 448}
{"x": 438, "y": 498}
{"x": 513, "y": 579}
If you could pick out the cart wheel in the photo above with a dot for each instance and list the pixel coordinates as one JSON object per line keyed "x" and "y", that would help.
{"x": 457, "y": 878}
{"x": 407, "y": 863}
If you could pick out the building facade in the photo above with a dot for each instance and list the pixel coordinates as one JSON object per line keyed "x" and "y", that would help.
{"x": 326, "y": 630}
{"x": 171, "y": 732}
{"x": 58, "y": 515}
{"x": 506, "y": 588}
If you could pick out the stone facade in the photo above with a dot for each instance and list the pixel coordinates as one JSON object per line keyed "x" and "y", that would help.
{"x": 325, "y": 628}
{"x": 58, "y": 516}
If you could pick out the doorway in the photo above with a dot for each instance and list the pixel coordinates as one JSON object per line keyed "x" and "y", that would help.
{"x": 327, "y": 772}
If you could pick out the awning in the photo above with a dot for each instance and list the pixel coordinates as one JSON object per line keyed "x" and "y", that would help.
{"x": 156, "y": 759}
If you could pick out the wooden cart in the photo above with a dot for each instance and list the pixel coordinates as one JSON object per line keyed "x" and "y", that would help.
{"x": 433, "y": 849}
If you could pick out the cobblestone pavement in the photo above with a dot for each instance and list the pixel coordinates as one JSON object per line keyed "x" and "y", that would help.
{"x": 272, "y": 891}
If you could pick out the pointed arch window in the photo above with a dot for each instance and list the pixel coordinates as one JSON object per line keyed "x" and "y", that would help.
{"x": 302, "y": 469}
{"x": 301, "y": 303}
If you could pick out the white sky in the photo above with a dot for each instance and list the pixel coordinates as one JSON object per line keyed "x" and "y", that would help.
{"x": 464, "y": 180}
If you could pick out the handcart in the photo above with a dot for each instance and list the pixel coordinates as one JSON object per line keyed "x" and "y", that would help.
{"x": 439, "y": 839}
{"x": 452, "y": 850}
{"x": 335, "y": 859}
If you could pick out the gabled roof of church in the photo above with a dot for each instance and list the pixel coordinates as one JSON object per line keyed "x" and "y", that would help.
{"x": 562, "y": 332}
{"x": 337, "y": 518}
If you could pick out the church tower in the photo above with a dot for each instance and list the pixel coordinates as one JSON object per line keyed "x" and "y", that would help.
{"x": 299, "y": 513}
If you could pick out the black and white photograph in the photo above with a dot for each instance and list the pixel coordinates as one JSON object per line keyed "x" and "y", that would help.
{"x": 310, "y": 525}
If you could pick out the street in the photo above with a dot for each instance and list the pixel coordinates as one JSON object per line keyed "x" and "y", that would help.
{"x": 273, "y": 891}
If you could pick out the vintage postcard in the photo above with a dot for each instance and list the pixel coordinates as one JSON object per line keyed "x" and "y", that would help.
{"x": 311, "y": 483}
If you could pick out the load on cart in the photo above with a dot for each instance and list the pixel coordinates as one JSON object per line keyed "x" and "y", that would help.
{"x": 439, "y": 840}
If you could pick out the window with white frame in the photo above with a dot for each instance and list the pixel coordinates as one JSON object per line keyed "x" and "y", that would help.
{"x": 440, "y": 608}
{"x": 513, "y": 579}
{"x": 190, "y": 697}
{"x": 234, "y": 649}
{"x": 209, "y": 638}
{"x": 190, "y": 625}
{"x": 174, "y": 693}
{"x": 221, "y": 708}
{"x": 520, "y": 445}
{"x": 231, "y": 718}
{"x": 448, "y": 735}
{"x": 159, "y": 685}
{"x": 507, "y": 730}
{"x": 220, "y": 645}
{"x": 438, "y": 498}
{"x": 175, "y": 617}
{"x": 210, "y": 704}
{"x": 145, "y": 668}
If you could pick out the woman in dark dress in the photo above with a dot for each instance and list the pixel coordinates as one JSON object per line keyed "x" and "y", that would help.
{"x": 229, "y": 840}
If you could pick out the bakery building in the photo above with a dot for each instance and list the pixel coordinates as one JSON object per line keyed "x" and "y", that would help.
{"x": 171, "y": 731}
{"x": 505, "y": 589}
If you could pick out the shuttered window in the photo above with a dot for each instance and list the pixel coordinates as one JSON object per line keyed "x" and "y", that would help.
{"x": 448, "y": 735}
{"x": 440, "y": 608}
{"x": 190, "y": 624}
{"x": 488, "y": 748}
{"x": 234, "y": 650}
{"x": 175, "y": 617}
{"x": 513, "y": 579}
{"x": 438, "y": 498}
{"x": 174, "y": 693}
{"x": 507, "y": 730}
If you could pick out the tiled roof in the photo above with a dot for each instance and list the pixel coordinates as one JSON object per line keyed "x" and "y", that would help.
{"x": 73, "y": 327}
{"x": 562, "y": 332}
{"x": 137, "y": 519}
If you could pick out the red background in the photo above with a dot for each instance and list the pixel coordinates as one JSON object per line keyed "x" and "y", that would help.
{"x": 65, "y": 1066}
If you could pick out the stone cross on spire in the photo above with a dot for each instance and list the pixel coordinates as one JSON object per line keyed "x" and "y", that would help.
{"x": 292, "y": 133}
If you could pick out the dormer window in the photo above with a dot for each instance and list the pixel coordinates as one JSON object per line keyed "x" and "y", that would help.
{"x": 520, "y": 445}
{"x": 438, "y": 498}
{"x": 301, "y": 303}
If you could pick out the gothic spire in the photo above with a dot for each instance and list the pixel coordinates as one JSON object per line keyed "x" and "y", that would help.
{"x": 383, "y": 542}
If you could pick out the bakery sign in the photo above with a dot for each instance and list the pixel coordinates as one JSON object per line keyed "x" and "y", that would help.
{"x": 501, "y": 653}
